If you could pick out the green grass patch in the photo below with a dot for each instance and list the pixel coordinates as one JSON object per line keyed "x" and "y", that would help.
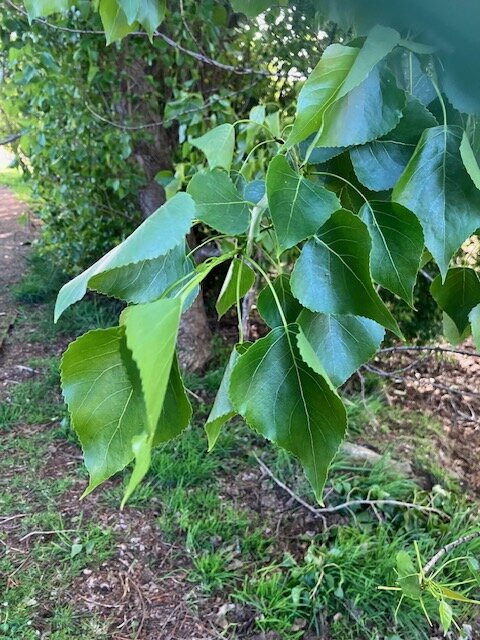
{"x": 14, "y": 179}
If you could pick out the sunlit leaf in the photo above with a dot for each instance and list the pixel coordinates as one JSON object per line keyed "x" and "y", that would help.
{"x": 238, "y": 281}
{"x": 217, "y": 144}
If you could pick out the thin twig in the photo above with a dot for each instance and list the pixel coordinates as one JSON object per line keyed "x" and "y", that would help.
{"x": 318, "y": 512}
{"x": 448, "y": 547}
{"x": 436, "y": 348}
{"x": 4, "y": 519}
{"x": 46, "y": 533}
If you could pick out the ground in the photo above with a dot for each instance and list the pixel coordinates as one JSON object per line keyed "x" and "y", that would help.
{"x": 211, "y": 545}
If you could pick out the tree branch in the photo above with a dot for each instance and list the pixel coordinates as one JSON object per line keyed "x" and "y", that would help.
{"x": 11, "y": 138}
{"x": 449, "y": 547}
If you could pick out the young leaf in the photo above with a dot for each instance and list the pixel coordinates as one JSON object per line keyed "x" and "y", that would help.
{"x": 474, "y": 317}
{"x": 114, "y": 21}
{"x": 446, "y": 615}
{"x": 218, "y": 201}
{"x": 238, "y": 281}
{"x": 397, "y": 246}
{"x": 458, "y": 295}
{"x": 436, "y": 187}
{"x": 222, "y": 409}
{"x": 288, "y": 403}
{"x": 155, "y": 237}
{"x": 218, "y": 145}
{"x": 267, "y": 305}
{"x": 104, "y": 395}
{"x": 454, "y": 595}
{"x": 408, "y": 577}
{"x": 341, "y": 343}
{"x": 332, "y": 274}
{"x": 298, "y": 207}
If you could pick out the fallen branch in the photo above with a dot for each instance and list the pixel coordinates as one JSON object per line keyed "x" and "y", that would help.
{"x": 320, "y": 512}
{"x": 46, "y": 533}
{"x": 449, "y": 547}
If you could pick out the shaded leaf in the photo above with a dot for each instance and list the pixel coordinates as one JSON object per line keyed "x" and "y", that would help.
{"x": 332, "y": 274}
{"x": 161, "y": 232}
{"x": 458, "y": 295}
{"x": 408, "y": 577}
{"x": 114, "y": 20}
{"x": 151, "y": 14}
{"x": 340, "y": 70}
{"x": 43, "y": 8}
{"x": 298, "y": 207}
{"x": 288, "y": 403}
{"x": 176, "y": 411}
{"x": 217, "y": 144}
{"x": 238, "y": 281}
{"x": 222, "y": 409}
{"x": 397, "y": 246}
{"x": 451, "y": 333}
{"x": 436, "y": 187}
{"x": 474, "y": 317}
{"x": 341, "y": 343}
{"x": 267, "y": 305}
{"x": 469, "y": 160}
{"x": 219, "y": 202}
{"x": 147, "y": 280}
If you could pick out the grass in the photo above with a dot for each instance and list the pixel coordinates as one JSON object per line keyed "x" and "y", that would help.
{"x": 14, "y": 179}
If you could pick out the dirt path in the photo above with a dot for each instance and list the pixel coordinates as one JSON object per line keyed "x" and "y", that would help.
{"x": 14, "y": 241}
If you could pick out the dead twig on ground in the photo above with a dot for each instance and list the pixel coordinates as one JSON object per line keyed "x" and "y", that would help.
{"x": 449, "y": 547}
{"x": 321, "y": 511}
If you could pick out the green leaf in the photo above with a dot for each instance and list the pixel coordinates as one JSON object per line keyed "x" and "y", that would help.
{"x": 380, "y": 163}
{"x": 176, "y": 411}
{"x": 43, "y": 8}
{"x": 151, "y": 332}
{"x": 446, "y": 615}
{"x": 267, "y": 305}
{"x": 454, "y": 595}
{"x": 469, "y": 160}
{"x": 130, "y": 9}
{"x": 298, "y": 207}
{"x": 219, "y": 203}
{"x": 451, "y": 333}
{"x": 436, "y": 187}
{"x": 474, "y": 317}
{"x": 251, "y": 8}
{"x": 332, "y": 274}
{"x": 147, "y": 280}
{"x": 458, "y": 295}
{"x": 222, "y": 409}
{"x": 408, "y": 577}
{"x": 218, "y": 145}
{"x": 340, "y": 70}
{"x": 369, "y": 111}
{"x": 151, "y": 14}
{"x": 397, "y": 246}
{"x": 238, "y": 281}
{"x": 288, "y": 403}
{"x": 114, "y": 21}
{"x": 161, "y": 232}
{"x": 104, "y": 395}
{"x": 341, "y": 343}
